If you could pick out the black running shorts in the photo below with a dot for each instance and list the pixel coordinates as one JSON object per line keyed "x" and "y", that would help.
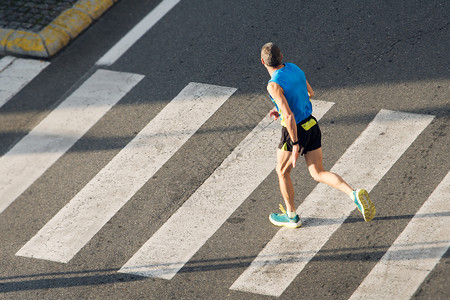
{"x": 309, "y": 136}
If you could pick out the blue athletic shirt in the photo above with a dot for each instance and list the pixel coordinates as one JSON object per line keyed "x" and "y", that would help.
{"x": 293, "y": 81}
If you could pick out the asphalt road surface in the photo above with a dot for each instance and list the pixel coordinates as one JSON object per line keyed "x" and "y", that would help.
{"x": 151, "y": 175}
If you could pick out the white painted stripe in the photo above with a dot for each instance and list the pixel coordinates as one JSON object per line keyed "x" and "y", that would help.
{"x": 137, "y": 32}
{"x": 6, "y": 61}
{"x": 51, "y": 138}
{"x": 15, "y": 73}
{"x": 414, "y": 253}
{"x": 166, "y": 252}
{"x": 364, "y": 163}
{"x": 76, "y": 223}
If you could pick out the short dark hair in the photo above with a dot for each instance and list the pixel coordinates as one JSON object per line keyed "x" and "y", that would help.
{"x": 271, "y": 54}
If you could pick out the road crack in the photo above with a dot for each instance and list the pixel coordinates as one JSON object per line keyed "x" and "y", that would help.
{"x": 417, "y": 36}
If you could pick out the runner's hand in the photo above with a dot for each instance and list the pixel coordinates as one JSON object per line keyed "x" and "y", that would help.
{"x": 295, "y": 154}
{"x": 274, "y": 113}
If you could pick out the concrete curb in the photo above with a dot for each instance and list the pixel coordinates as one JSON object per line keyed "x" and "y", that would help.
{"x": 56, "y": 35}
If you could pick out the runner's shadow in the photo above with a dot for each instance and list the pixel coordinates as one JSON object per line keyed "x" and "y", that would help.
{"x": 312, "y": 222}
{"x": 28, "y": 282}
{"x": 108, "y": 276}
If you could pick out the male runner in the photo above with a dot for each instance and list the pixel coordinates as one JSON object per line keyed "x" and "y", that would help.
{"x": 301, "y": 135}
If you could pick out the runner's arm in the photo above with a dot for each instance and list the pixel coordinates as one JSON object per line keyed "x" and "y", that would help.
{"x": 277, "y": 94}
{"x": 310, "y": 90}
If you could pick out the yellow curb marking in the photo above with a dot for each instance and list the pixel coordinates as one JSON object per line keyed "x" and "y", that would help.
{"x": 67, "y": 26}
{"x": 54, "y": 38}
{"x": 4, "y": 35}
{"x": 30, "y": 42}
{"x": 72, "y": 21}
{"x": 95, "y": 8}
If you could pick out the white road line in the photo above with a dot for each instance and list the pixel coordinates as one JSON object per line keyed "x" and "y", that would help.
{"x": 51, "y": 138}
{"x": 166, "y": 252}
{"x": 364, "y": 163}
{"x": 6, "y": 61}
{"x": 76, "y": 223}
{"x": 414, "y": 253}
{"x": 137, "y": 32}
{"x": 15, "y": 73}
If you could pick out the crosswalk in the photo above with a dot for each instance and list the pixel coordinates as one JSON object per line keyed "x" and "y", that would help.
{"x": 288, "y": 253}
{"x": 413, "y": 255}
{"x": 51, "y": 138}
{"x": 15, "y": 73}
{"x": 211, "y": 205}
{"x": 63, "y": 236}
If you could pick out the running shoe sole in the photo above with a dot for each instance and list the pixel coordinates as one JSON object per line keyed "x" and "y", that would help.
{"x": 286, "y": 224}
{"x": 364, "y": 205}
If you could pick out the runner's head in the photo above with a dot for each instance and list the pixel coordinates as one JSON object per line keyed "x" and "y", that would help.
{"x": 271, "y": 55}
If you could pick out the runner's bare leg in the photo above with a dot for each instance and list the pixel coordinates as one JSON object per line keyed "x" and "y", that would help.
{"x": 314, "y": 162}
{"x": 284, "y": 167}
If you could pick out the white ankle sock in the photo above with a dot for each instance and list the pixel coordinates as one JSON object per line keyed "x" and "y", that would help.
{"x": 291, "y": 214}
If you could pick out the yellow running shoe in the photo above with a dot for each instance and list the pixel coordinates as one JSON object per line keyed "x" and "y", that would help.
{"x": 365, "y": 206}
